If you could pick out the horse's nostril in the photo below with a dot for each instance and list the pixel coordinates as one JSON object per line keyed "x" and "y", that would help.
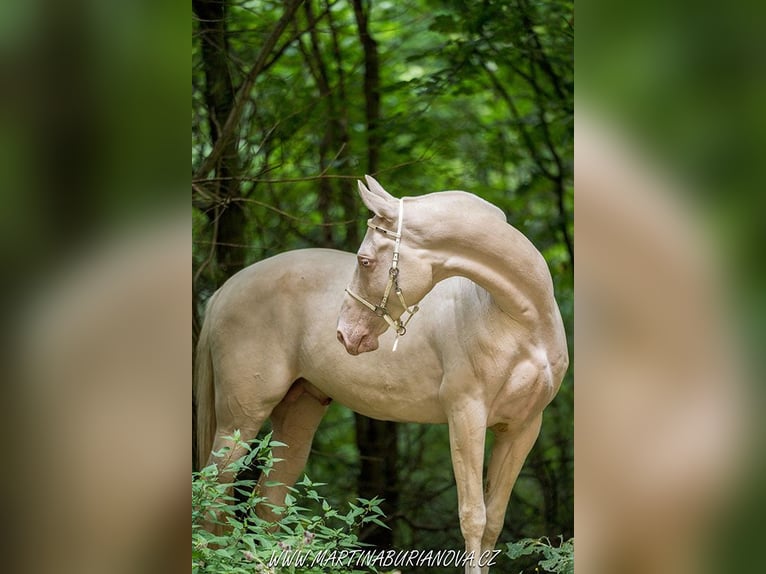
{"x": 340, "y": 338}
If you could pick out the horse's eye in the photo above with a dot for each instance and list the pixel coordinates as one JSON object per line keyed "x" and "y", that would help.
{"x": 364, "y": 262}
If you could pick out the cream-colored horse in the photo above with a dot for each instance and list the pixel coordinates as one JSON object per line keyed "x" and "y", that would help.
{"x": 487, "y": 348}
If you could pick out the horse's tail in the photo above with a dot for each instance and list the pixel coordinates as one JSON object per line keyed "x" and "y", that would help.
{"x": 204, "y": 391}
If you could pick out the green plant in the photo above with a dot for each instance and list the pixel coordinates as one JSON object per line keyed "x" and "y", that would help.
{"x": 556, "y": 559}
{"x": 301, "y": 542}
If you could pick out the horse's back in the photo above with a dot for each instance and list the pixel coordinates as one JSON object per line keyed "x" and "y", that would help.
{"x": 258, "y": 318}
{"x": 278, "y": 284}
{"x": 291, "y": 270}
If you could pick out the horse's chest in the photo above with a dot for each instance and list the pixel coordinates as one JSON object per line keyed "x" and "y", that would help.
{"x": 514, "y": 376}
{"x": 491, "y": 356}
{"x": 524, "y": 393}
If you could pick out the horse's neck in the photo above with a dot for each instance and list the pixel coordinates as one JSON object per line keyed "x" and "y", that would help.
{"x": 505, "y": 263}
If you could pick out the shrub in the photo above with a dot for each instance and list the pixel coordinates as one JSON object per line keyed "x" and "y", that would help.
{"x": 252, "y": 544}
{"x": 556, "y": 559}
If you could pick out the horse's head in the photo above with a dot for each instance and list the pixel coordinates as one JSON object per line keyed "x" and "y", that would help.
{"x": 393, "y": 271}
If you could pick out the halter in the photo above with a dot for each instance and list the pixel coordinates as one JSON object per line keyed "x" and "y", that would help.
{"x": 399, "y": 326}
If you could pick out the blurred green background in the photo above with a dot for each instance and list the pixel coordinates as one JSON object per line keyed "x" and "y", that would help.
{"x": 93, "y": 142}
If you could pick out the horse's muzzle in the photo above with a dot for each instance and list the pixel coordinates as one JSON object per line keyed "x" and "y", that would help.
{"x": 364, "y": 344}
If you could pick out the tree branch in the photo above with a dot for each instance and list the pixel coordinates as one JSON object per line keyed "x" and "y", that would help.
{"x": 232, "y": 122}
{"x": 517, "y": 118}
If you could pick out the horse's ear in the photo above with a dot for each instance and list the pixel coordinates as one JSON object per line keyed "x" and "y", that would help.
{"x": 377, "y": 189}
{"x": 383, "y": 204}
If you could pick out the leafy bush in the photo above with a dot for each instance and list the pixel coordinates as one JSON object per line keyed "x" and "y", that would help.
{"x": 556, "y": 559}
{"x": 252, "y": 544}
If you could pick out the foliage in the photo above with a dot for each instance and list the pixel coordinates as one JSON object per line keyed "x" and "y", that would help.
{"x": 250, "y": 543}
{"x": 556, "y": 559}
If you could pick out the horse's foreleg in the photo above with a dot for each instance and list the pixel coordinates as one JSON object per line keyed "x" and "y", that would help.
{"x": 294, "y": 422}
{"x": 509, "y": 452}
{"x": 467, "y": 427}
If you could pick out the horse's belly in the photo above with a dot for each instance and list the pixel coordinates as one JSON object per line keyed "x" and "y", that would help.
{"x": 399, "y": 411}
{"x": 380, "y": 391}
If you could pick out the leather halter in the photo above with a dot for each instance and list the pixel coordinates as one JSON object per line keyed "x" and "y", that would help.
{"x": 399, "y": 326}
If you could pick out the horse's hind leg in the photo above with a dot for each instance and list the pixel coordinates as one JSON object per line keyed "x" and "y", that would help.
{"x": 509, "y": 452}
{"x": 244, "y": 399}
{"x": 248, "y": 430}
{"x": 244, "y": 412}
{"x": 294, "y": 422}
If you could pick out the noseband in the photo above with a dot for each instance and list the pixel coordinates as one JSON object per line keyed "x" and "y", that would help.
{"x": 399, "y": 326}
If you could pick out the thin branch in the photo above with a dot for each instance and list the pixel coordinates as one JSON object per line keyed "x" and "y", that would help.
{"x": 285, "y": 180}
{"x": 545, "y": 64}
{"x": 424, "y": 157}
{"x": 517, "y": 117}
{"x": 241, "y": 98}
{"x": 563, "y": 219}
{"x": 288, "y": 215}
{"x": 213, "y": 245}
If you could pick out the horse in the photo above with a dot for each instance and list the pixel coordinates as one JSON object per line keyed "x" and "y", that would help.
{"x": 488, "y": 349}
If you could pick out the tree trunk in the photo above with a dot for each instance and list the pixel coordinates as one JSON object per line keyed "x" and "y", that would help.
{"x": 377, "y": 444}
{"x": 219, "y": 101}
{"x": 376, "y": 440}
{"x": 371, "y": 85}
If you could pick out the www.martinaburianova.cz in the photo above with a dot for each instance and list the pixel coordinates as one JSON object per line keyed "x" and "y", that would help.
{"x": 380, "y": 558}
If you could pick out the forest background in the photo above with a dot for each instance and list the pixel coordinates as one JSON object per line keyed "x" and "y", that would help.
{"x": 293, "y": 101}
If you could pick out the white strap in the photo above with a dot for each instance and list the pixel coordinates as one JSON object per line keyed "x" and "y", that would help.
{"x": 381, "y": 310}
